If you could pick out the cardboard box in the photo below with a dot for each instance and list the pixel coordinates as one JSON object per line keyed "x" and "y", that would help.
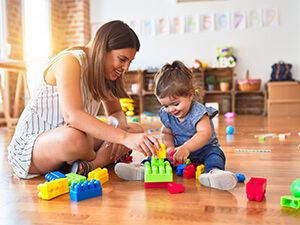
{"x": 283, "y": 99}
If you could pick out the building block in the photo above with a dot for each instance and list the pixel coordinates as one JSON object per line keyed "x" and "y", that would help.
{"x": 189, "y": 171}
{"x": 199, "y": 170}
{"x": 256, "y": 189}
{"x": 156, "y": 184}
{"x": 75, "y": 178}
{"x": 99, "y": 174}
{"x": 161, "y": 173}
{"x": 161, "y": 154}
{"x": 157, "y": 162}
{"x": 240, "y": 177}
{"x": 127, "y": 159}
{"x": 175, "y": 188}
{"x": 53, "y": 188}
{"x": 54, "y": 175}
{"x": 85, "y": 190}
{"x": 290, "y": 201}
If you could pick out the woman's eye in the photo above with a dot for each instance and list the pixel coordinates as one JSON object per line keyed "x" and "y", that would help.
{"x": 176, "y": 104}
{"x": 123, "y": 60}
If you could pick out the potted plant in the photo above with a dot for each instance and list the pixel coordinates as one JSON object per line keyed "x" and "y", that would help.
{"x": 211, "y": 81}
{"x": 224, "y": 84}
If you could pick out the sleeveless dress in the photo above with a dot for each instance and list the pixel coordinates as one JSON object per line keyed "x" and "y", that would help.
{"x": 43, "y": 113}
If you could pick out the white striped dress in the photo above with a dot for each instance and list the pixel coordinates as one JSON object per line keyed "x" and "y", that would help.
{"x": 43, "y": 113}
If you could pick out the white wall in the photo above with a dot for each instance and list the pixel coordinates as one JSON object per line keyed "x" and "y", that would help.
{"x": 256, "y": 49}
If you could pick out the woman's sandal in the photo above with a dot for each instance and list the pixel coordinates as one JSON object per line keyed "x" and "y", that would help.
{"x": 85, "y": 165}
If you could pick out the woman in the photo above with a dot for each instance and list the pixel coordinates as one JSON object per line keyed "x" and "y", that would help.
{"x": 59, "y": 126}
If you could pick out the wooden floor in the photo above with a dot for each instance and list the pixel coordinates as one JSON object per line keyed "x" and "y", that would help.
{"x": 128, "y": 202}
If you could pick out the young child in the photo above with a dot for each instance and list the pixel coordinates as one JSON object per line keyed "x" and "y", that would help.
{"x": 188, "y": 128}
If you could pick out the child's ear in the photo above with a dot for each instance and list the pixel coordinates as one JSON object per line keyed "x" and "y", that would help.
{"x": 191, "y": 94}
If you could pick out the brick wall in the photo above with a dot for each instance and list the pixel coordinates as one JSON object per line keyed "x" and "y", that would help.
{"x": 15, "y": 39}
{"x": 70, "y": 25}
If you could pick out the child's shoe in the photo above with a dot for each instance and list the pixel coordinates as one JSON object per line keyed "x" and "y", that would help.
{"x": 129, "y": 171}
{"x": 220, "y": 179}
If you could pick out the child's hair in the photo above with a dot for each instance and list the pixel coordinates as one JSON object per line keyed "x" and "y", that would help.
{"x": 173, "y": 80}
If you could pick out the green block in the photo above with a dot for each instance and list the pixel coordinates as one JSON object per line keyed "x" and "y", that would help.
{"x": 157, "y": 162}
{"x": 75, "y": 178}
{"x": 161, "y": 173}
{"x": 289, "y": 201}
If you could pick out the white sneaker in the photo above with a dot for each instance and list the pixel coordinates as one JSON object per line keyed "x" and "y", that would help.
{"x": 222, "y": 180}
{"x": 129, "y": 171}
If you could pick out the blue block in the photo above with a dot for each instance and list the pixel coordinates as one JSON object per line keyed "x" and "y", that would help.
{"x": 86, "y": 190}
{"x": 54, "y": 175}
{"x": 240, "y": 177}
{"x": 180, "y": 169}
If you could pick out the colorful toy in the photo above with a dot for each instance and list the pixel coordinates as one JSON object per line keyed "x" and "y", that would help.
{"x": 175, "y": 188}
{"x": 75, "y": 178}
{"x": 99, "y": 174}
{"x": 53, "y": 188}
{"x": 292, "y": 201}
{"x": 289, "y": 201}
{"x": 225, "y": 57}
{"x": 229, "y": 129}
{"x": 197, "y": 64}
{"x": 86, "y": 190}
{"x": 189, "y": 171}
{"x": 295, "y": 188}
{"x": 252, "y": 150}
{"x": 240, "y": 177}
{"x": 54, "y": 175}
{"x": 128, "y": 106}
{"x": 256, "y": 189}
{"x": 181, "y": 167}
{"x": 161, "y": 173}
{"x": 199, "y": 171}
{"x": 229, "y": 115}
{"x": 161, "y": 154}
{"x": 156, "y": 184}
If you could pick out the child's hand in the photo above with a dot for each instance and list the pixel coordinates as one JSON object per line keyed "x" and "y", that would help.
{"x": 181, "y": 154}
{"x": 143, "y": 143}
{"x": 168, "y": 151}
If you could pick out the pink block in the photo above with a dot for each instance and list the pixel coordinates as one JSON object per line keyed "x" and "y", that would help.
{"x": 256, "y": 189}
{"x": 156, "y": 184}
{"x": 175, "y": 188}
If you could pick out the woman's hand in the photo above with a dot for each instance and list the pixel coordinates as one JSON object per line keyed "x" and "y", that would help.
{"x": 142, "y": 142}
{"x": 181, "y": 155}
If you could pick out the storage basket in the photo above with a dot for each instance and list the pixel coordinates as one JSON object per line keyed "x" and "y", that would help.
{"x": 248, "y": 84}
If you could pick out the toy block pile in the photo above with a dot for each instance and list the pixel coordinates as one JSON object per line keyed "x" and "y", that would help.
{"x": 79, "y": 187}
{"x": 292, "y": 201}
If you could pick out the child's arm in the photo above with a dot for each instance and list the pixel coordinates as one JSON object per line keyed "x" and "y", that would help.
{"x": 196, "y": 142}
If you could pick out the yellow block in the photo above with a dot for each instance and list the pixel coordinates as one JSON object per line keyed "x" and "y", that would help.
{"x": 53, "y": 188}
{"x": 161, "y": 154}
{"x": 200, "y": 170}
{"x": 99, "y": 174}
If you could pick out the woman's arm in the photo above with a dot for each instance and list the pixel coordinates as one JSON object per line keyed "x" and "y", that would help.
{"x": 67, "y": 78}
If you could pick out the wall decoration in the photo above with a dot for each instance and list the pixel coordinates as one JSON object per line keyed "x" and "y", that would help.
{"x": 255, "y": 18}
{"x": 271, "y": 17}
{"x": 207, "y": 22}
{"x": 149, "y": 27}
{"x": 136, "y": 26}
{"x": 163, "y": 26}
{"x": 192, "y": 24}
{"x": 239, "y": 20}
{"x": 178, "y": 24}
{"x": 223, "y": 21}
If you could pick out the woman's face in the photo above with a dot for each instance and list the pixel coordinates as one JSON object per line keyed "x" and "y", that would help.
{"x": 118, "y": 61}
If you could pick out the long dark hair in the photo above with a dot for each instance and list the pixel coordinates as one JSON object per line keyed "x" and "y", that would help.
{"x": 110, "y": 36}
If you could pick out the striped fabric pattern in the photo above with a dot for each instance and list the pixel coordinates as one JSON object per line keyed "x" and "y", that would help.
{"x": 43, "y": 113}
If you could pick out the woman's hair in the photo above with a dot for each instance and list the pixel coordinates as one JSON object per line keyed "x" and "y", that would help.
{"x": 110, "y": 36}
{"x": 173, "y": 80}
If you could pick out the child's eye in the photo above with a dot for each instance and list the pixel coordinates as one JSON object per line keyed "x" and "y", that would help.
{"x": 176, "y": 104}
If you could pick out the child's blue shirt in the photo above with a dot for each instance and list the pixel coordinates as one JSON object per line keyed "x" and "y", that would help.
{"x": 183, "y": 131}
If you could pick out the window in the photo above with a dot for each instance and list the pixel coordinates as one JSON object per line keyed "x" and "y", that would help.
{"x": 3, "y": 40}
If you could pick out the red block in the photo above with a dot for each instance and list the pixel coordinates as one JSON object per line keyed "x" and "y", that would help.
{"x": 189, "y": 171}
{"x": 175, "y": 188}
{"x": 156, "y": 184}
{"x": 256, "y": 189}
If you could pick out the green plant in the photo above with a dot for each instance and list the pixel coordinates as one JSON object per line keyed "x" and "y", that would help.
{"x": 211, "y": 80}
{"x": 224, "y": 80}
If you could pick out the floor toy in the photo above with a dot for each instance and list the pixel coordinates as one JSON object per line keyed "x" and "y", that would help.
{"x": 181, "y": 167}
{"x": 75, "y": 178}
{"x": 256, "y": 189}
{"x": 290, "y": 201}
{"x": 127, "y": 159}
{"x": 295, "y": 188}
{"x": 53, "y": 188}
{"x": 54, "y": 175}
{"x": 85, "y": 190}
{"x": 175, "y": 188}
{"x": 229, "y": 129}
{"x": 240, "y": 177}
{"x": 189, "y": 171}
{"x": 99, "y": 174}
{"x": 199, "y": 171}
{"x": 160, "y": 173}
{"x": 252, "y": 150}
{"x": 156, "y": 185}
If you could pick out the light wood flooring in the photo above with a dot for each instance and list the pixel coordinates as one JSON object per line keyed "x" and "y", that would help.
{"x": 128, "y": 202}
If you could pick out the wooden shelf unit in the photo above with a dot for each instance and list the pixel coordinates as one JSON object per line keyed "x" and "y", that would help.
{"x": 240, "y": 102}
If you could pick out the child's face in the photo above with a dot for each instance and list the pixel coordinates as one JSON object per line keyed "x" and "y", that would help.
{"x": 177, "y": 106}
